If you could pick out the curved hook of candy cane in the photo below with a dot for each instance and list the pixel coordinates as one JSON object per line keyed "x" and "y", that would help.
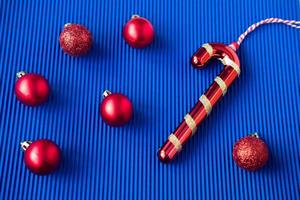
{"x": 226, "y": 54}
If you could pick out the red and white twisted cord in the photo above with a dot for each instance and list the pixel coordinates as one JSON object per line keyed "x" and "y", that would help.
{"x": 292, "y": 23}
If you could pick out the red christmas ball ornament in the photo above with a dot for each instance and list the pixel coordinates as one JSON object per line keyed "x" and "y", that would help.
{"x": 42, "y": 156}
{"x": 31, "y": 89}
{"x": 116, "y": 109}
{"x": 138, "y": 32}
{"x": 250, "y": 153}
{"x": 75, "y": 39}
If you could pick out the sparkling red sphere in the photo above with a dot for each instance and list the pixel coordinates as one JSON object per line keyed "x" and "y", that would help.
{"x": 42, "y": 157}
{"x": 116, "y": 109}
{"x": 250, "y": 153}
{"x": 138, "y": 32}
{"x": 32, "y": 89}
{"x": 75, "y": 39}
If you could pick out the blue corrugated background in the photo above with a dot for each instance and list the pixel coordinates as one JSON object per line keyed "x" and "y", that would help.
{"x": 100, "y": 162}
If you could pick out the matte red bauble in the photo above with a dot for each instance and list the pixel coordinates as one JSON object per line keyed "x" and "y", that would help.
{"x": 138, "y": 32}
{"x": 42, "y": 156}
{"x": 75, "y": 39}
{"x": 250, "y": 153}
{"x": 32, "y": 89}
{"x": 116, "y": 109}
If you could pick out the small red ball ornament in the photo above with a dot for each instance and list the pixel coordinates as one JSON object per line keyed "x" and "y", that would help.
{"x": 42, "y": 156}
{"x": 31, "y": 89}
{"x": 138, "y": 32}
{"x": 250, "y": 153}
{"x": 116, "y": 109}
{"x": 75, "y": 39}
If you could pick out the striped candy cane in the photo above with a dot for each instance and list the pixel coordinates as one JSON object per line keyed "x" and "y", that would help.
{"x": 227, "y": 55}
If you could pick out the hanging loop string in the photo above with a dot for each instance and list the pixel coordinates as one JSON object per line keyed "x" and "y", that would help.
{"x": 292, "y": 23}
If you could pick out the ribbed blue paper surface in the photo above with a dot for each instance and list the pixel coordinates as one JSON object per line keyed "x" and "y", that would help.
{"x": 100, "y": 162}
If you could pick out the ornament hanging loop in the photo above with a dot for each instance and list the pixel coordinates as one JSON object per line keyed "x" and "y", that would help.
{"x": 255, "y": 135}
{"x": 25, "y": 144}
{"x": 106, "y": 93}
{"x": 272, "y": 20}
{"x": 67, "y": 24}
{"x": 20, "y": 74}
{"x": 135, "y": 16}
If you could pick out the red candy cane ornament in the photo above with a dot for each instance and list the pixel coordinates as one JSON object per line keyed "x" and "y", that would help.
{"x": 228, "y": 56}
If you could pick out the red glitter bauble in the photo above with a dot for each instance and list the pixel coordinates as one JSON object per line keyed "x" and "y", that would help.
{"x": 116, "y": 109}
{"x": 75, "y": 39}
{"x": 32, "y": 89}
{"x": 138, "y": 32}
{"x": 250, "y": 153}
{"x": 42, "y": 156}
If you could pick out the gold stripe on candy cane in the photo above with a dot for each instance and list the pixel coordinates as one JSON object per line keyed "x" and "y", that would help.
{"x": 174, "y": 140}
{"x": 191, "y": 123}
{"x": 227, "y": 61}
{"x": 221, "y": 84}
{"x": 208, "y": 48}
{"x": 206, "y": 103}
